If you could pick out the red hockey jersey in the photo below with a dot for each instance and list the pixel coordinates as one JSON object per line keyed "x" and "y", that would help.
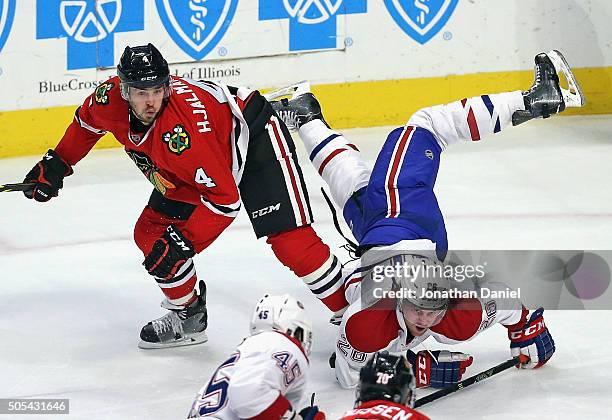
{"x": 379, "y": 410}
{"x": 193, "y": 152}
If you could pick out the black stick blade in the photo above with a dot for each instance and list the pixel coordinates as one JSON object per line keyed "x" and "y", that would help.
{"x": 22, "y": 186}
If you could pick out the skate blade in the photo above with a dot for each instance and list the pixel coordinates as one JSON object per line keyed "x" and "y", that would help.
{"x": 294, "y": 90}
{"x": 573, "y": 97}
{"x": 521, "y": 116}
{"x": 192, "y": 340}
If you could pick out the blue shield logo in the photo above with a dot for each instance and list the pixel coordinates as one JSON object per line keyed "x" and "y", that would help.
{"x": 421, "y": 19}
{"x": 196, "y": 26}
{"x": 7, "y": 13}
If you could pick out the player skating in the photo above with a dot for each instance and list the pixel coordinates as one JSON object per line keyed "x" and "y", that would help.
{"x": 206, "y": 148}
{"x": 392, "y": 208}
{"x": 386, "y": 390}
{"x": 265, "y": 378}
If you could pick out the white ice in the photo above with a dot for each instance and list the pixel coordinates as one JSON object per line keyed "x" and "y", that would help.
{"x": 74, "y": 295}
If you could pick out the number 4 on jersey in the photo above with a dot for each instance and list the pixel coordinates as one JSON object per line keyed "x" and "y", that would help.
{"x": 202, "y": 178}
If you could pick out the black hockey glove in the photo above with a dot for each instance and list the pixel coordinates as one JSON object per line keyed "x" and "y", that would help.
{"x": 48, "y": 176}
{"x": 312, "y": 412}
{"x": 169, "y": 253}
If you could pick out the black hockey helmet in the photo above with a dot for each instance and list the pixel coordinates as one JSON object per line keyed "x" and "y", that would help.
{"x": 142, "y": 67}
{"x": 386, "y": 377}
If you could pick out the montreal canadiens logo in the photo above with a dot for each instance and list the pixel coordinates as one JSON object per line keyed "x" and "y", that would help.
{"x": 7, "y": 13}
{"x": 421, "y": 19}
{"x": 196, "y": 26}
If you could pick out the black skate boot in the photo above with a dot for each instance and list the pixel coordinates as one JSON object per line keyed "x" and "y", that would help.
{"x": 298, "y": 111}
{"x": 179, "y": 327}
{"x": 546, "y": 97}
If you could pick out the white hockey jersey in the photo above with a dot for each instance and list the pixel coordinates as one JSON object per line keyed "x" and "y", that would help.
{"x": 264, "y": 367}
{"x": 365, "y": 330}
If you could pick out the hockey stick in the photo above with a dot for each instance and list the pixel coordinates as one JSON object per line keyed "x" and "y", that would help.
{"x": 510, "y": 363}
{"x": 21, "y": 186}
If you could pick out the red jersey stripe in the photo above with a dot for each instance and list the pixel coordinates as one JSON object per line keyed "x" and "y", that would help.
{"x": 282, "y": 146}
{"x": 396, "y": 162}
{"x": 329, "y": 158}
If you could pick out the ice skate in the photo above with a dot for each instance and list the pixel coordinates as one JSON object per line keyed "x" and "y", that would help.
{"x": 336, "y": 318}
{"x": 179, "y": 327}
{"x": 546, "y": 97}
{"x": 291, "y": 91}
{"x": 296, "y": 111}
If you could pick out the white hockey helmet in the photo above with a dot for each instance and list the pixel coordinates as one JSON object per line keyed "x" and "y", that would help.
{"x": 417, "y": 279}
{"x": 285, "y": 314}
{"x": 428, "y": 288}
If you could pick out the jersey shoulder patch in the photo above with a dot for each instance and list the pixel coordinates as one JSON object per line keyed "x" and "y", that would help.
{"x": 102, "y": 93}
{"x": 178, "y": 139}
{"x": 105, "y": 105}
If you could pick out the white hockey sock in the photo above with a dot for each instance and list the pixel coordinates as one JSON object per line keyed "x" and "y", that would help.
{"x": 470, "y": 119}
{"x": 345, "y": 175}
{"x": 179, "y": 290}
{"x": 326, "y": 280}
{"x": 313, "y": 133}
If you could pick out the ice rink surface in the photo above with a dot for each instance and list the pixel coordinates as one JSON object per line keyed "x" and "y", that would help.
{"x": 74, "y": 295}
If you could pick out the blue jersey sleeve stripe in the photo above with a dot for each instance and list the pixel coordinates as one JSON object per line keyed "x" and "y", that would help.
{"x": 321, "y": 145}
{"x": 497, "y": 126}
{"x": 488, "y": 104}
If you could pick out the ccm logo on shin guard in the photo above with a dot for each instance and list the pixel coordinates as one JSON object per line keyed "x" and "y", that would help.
{"x": 266, "y": 210}
{"x": 178, "y": 240}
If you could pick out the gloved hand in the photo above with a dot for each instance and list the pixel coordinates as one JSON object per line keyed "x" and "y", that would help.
{"x": 443, "y": 370}
{"x": 168, "y": 255}
{"x": 532, "y": 340}
{"x": 312, "y": 413}
{"x": 48, "y": 176}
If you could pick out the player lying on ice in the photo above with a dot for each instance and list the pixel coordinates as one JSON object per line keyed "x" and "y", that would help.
{"x": 393, "y": 208}
{"x": 206, "y": 148}
{"x": 265, "y": 378}
{"x": 385, "y": 390}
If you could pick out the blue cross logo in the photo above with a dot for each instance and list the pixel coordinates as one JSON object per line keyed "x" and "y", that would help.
{"x": 90, "y": 26}
{"x": 312, "y": 23}
{"x": 7, "y": 13}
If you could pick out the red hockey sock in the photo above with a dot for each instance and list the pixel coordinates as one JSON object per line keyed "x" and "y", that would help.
{"x": 302, "y": 251}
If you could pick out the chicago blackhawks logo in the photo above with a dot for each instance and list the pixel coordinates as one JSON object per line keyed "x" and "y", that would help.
{"x": 178, "y": 139}
{"x": 149, "y": 170}
{"x": 101, "y": 93}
